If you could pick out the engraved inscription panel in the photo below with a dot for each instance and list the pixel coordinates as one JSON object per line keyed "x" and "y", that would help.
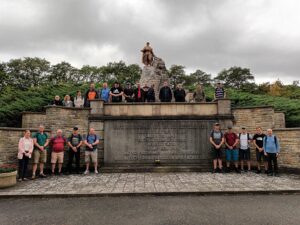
{"x": 170, "y": 141}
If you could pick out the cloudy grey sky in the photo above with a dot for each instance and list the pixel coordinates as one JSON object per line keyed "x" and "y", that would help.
{"x": 210, "y": 35}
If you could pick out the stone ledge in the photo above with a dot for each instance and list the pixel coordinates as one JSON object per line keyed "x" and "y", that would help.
{"x": 40, "y": 113}
{"x": 21, "y": 129}
{"x": 287, "y": 129}
{"x": 68, "y": 108}
{"x": 212, "y": 117}
{"x": 253, "y": 107}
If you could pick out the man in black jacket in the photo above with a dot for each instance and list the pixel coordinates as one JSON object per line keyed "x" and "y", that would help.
{"x": 179, "y": 94}
{"x": 165, "y": 93}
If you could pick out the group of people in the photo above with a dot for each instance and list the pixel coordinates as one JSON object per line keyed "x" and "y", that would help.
{"x": 237, "y": 148}
{"x": 137, "y": 94}
{"x": 36, "y": 147}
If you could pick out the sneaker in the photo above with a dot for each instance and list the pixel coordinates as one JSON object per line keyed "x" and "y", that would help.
{"x": 258, "y": 171}
{"x": 237, "y": 170}
{"x": 86, "y": 172}
{"x": 20, "y": 179}
{"x": 42, "y": 175}
{"x": 214, "y": 171}
{"x": 96, "y": 172}
{"x": 25, "y": 179}
{"x": 33, "y": 177}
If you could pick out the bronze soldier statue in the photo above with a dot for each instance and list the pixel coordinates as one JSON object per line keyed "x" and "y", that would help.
{"x": 148, "y": 55}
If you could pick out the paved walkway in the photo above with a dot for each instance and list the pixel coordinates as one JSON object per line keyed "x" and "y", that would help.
{"x": 154, "y": 183}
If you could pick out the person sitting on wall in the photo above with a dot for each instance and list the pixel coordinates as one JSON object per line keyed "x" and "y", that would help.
{"x": 116, "y": 92}
{"x": 199, "y": 95}
{"x": 217, "y": 140}
{"x": 41, "y": 142}
{"x": 104, "y": 92}
{"x": 67, "y": 101}
{"x": 271, "y": 149}
{"x": 24, "y": 154}
{"x": 91, "y": 94}
{"x": 78, "y": 100}
{"x": 219, "y": 92}
{"x": 74, "y": 143}
{"x": 129, "y": 93}
{"x": 244, "y": 152}
{"x": 57, "y": 101}
{"x": 139, "y": 93}
{"x": 150, "y": 97}
{"x": 91, "y": 152}
{"x": 57, "y": 156}
{"x": 179, "y": 94}
{"x": 165, "y": 93}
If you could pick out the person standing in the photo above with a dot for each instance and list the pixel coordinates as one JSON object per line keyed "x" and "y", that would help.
{"x": 165, "y": 93}
{"x": 217, "y": 140}
{"x": 129, "y": 93}
{"x": 25, "y": 150}
{"x": 151, "y": 94}
{"x": 139, "y": 93}
{"x": 57, "y": 156}
{"x": 232, "y": 153}
{"x": 41, "y": 142}
{"x": 219, "y": 92}
{"x": 74, "y": 143}
{"x": 78, "y": 100}
{"x": 258, "y": 141}
{"x": 67, "y": 101}
{"x": 91, "y": 151}
{"x": 116, "y": 92}
{"x": 244, "y": 152}
{"x": 199, "y": 95}
{"x": 91, "y": 94}
{"x": 104, "y": 92}
{"x": 271, "y": 149}
{"x": 179, "y": 94}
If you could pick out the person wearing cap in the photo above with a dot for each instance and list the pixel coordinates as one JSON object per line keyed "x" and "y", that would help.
{"x": 244, "y": 151}
{"x": 139, "y": 93}
{"x": 217, "y": 140}
{"x": 232, "y": 153}
{"x": 219, "y": 92}
{"x": 128, "y": 93}
{"x": 74, "y": 143}
{"x": 116, "y": 92}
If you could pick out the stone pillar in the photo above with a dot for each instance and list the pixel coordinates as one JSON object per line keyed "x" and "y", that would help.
{"x": 97, "y": 107}
{"x": 224, "y": 106}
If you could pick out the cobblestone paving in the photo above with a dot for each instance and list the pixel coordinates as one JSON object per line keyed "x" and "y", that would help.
{"x": 109, "y": 183}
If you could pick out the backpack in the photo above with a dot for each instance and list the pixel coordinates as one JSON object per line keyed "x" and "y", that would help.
{"x": 275, "y": 140}
{"x": 248, "y": 136}
{"x": 71, "y": 137}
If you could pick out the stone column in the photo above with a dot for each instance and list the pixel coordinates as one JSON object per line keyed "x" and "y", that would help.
{"x": 97, "y": 107}
{"x": 224, "y": 107}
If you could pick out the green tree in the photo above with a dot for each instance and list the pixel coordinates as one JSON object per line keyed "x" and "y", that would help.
{"x": 63, "y": 72}
{"x": 235, "y": 77}
{"x": 201, "y": 77}
{"x": 90, "y": 73}
{"x": 27, "y": 72}
{"x": 3, "y": 76}
{"x": 177, "y": 74}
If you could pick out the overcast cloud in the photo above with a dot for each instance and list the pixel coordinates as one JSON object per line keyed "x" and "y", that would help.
{"x": 210, "y": 35}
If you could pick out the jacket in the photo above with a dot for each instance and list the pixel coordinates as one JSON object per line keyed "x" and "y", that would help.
{"x": 21, "y": 150}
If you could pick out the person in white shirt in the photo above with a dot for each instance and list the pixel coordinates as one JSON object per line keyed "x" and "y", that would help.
{"x": 244, "y": 152}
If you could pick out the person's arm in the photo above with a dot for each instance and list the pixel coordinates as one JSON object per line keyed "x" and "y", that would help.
{"x": 212, "y": 142}
{"x": 277, "y": 147}
{"x": 264, "y": 144}
{"x": 80, "y": 143}
{"x": 227, "y": 145}
{"x": 37, "y": 144}
{"x": 87, "y": 144}
{"x": 111, "y": 94}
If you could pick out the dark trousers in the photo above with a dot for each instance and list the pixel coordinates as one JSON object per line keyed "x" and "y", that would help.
{"x": 272, "y": 162}
{"x": 23, "y": 163}
{"x": 77, "y": 160}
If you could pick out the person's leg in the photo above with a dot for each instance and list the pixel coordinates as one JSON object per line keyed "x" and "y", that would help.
{"x": 258, "y": 160}
{"x": 265, "y": 158}
{"x": 215, "y": 164}
{"x": 87, "y": 162}
{"x": 220, "y": 163}
{"x": 70, "y": 162}
{"x": 20, "y": 171}
{"x": 34, "y": 168}
{"x": 41, "y": 168}
{"x": 53, "y": 167}
{"x": 59, "y": 167}
{"x": 249, "y": 165}
{"x": 53, "y": 161}
{"x": 275, "y": 164}
{"x": 60, "y": 161}
{"x": 26, "y": 160}
{"x": 94, "y": 156}
{"x": 77, "y": 158}
{"x": 36, "y": 156}
{"x": 248, "y": 159}
{"x": 270, "y": 163}
{"x": 228, "y": 158}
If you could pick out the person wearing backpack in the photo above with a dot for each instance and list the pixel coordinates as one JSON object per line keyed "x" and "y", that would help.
{"x": 217, "y": 140}
{"x": 74, "y": 143}
{"x": 244, "y": 152}
{"x": 91, "y": 152}
{"x": 271, "y": 149}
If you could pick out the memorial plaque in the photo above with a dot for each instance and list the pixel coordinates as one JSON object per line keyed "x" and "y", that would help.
{"x": 144, "y": 141}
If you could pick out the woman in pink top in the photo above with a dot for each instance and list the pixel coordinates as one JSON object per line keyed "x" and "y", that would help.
{"x": 24, "y": 154}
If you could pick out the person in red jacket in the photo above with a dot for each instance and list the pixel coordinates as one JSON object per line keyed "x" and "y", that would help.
{"x": 58, "y": 146}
